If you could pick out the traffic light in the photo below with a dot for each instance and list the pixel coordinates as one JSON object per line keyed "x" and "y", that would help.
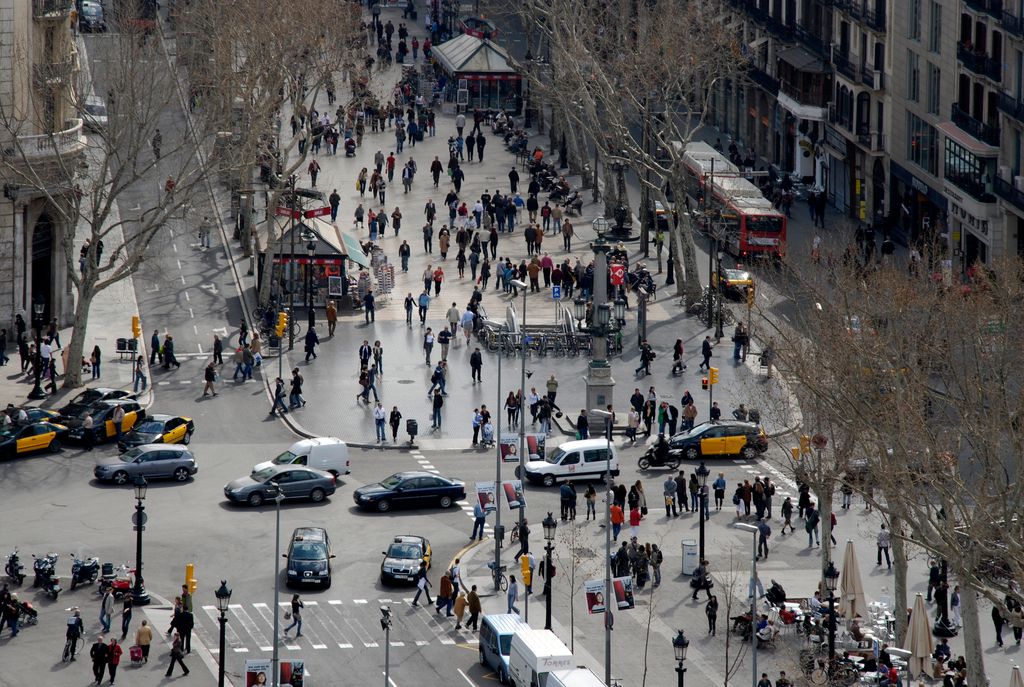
{"x": 282, "y": 323}
{"x": 190, "y": 579}
{"x": 713, "y": 378}
{"x": 136, "y": 327}
{"x": 524, "y": 566}
{"x": 704, "y": 383}
{"x": 805, "y": 443}
{"x": 750, "y": 296}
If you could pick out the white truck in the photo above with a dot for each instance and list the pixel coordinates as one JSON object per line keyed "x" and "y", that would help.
{"x": 574, "y": 677}
{"x": 534, "y": 655}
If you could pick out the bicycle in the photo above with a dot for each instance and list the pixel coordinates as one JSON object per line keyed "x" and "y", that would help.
{"x": 66, "y": 656}
{"x": 499, "y": 575}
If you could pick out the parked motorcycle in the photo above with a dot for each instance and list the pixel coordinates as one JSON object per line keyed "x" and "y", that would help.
{"x": 15, "y": 568}
{"x": 658, "y": 456}
{"x": 84, "y": 571}
{"x": 119, "y": 581}
{"x": 45, "y": 578}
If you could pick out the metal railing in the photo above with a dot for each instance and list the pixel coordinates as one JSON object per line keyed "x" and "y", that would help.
{"x": 993, "y": 8}
{"x": 872, "y": 141}
{"x": 1011, "y": 107}
{"x": 815, "y": 97}
{"x": 979, "y": 63}
{"x": 1006, "y": 190}
{"x": 68, "y": 141}
{"x": 51, "y": 9}
{"x": 760, "y": 77}
{"x": 1012, "y": 23}
{"x": 53, "y": 73}
{"x": 975, "y": 127}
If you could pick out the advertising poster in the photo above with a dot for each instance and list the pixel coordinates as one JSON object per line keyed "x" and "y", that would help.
{"x": 509, "y": 448}
{"x": 535, "y": 446}
{"x": 623, "y": 588}
{"x": 514, "y": 494}
{"x": 292, "y": 674}
{"x": 594, "y": 589}
{"x": 485, "y": 494}
{"x": 257, "y": 673}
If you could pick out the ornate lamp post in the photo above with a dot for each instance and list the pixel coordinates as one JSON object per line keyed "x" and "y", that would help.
{"x": 550, "y": 525}
{"x": 831, "y": 579}
{"x": 680, "y": 644}
{"x": 139, "y": 595}
{"x": 223, "y": 595}
{"x": 310, "y": 238}
{"x": 38, "y": 306}
{"x": 702, "y": 473}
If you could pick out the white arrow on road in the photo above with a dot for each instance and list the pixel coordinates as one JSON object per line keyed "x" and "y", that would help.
{"x": 211, "y": 287}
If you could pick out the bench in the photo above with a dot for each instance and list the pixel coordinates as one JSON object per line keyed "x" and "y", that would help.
{"x": 127, "y": 348}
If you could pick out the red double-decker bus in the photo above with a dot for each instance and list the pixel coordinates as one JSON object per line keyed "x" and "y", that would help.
{"x": 746, "y": 222}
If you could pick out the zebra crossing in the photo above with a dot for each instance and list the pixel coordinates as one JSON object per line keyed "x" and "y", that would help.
{"x": 331, "y": 624}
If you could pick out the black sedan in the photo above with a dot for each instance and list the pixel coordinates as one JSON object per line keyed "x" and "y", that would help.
{"x": 309, "y": 557}
{"x": 159, "y": 429}
{"x": 410, "y": 489}
{"x": 88, "y": 397}
{"x": 102, "y": 416}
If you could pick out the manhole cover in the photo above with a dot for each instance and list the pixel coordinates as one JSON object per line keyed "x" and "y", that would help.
{"x": 406, "y": 381}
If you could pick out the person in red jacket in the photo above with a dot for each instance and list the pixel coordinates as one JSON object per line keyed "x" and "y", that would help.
{"x": 615, "y": 514}
{"x": 114, "y": 652}
{"x": 634, "y": 522}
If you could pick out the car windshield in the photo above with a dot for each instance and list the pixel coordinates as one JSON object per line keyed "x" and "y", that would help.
{"x": 391, "y": 482}
{"x": 555, "y": 456}
{"x": 308, "y": 551}
{"x": 405, "y": 550}
{"x": 286, "y": 458}
{"x": 91, "y": 10}
{"x": 151, "y": 427}
{"x": 264, "y": 474}
{"x": 697, "y": 431}
{"x": 131, "y": 454}
{"x": 736, "y": 275}
{"x": 94, "y": 109}
{"x": 90, "y": 396}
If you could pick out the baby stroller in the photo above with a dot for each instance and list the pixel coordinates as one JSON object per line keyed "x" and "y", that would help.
{"x": 487, "y": 438}
{"x": 350, "y": 147}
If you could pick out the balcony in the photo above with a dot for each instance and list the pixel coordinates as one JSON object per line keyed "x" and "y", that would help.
{"x": 1012, "y": 23}
{"x": 979, "y": 62}
{"x": 774, "y": 26}
{"x": 975, "y": 127}
{"x": 37, "y": 148}
{"x": 872, "y": 142}
{"x": 1005, "y": 190}
{"x": 845, "y": 66}
{"x": 1011, "y": 107}
{"x": 970, "y": 184}
{"x": 992, "y": 8}
{"x": 874, "y": 20}
{"x": 51, "y": 10}
{"x": 53, "y": 74}
{"x": 811, "y": 41}
{"x": 808, "y": 96}
{"x": 760, "y": 77}
{"x": 873, "y": 78}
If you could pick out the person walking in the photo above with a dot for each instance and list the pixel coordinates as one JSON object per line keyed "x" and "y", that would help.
{"x": 428, "y": 341}
{"x": 422, "y": 585}
{"x": 787, "y": 515}
{"x": 177, "y": 654}
{"x": 424, "y": 303}
{"x": 99, "y": 653}
{"x": 114, "y": 652}
{"x": 143, "y": 639}
{"x": 763, "y": 532}
{"x": 75, "y": 630}
{"x": 296, "y": 614}
{"x": 278, "y": 396}
{"x": 811, "y": 520}
{"x": 155, "y": 350}
{"x": 436, "y": 405}
{"x": 310, "y": 343}
{"x": 461, "y": 603}
{"x": 883, "y": 541}
{"x": 126, "y": 615}
{"x": 209, "y": 377}
{"x": 295, "y": 399}
{"x": 711, "y": 611}
{"x": 705, "y": 351}
{"x": 106, "y": 609}
{"x": 139, "y": 381}
{"x": 445, "y": 594}
{"x": 513, "y": 594}
{"x": 475, "y": 608}
{"x": 379, "y": 418}
{"x": 332, "y": 318}
{"x": 395, "y": 419}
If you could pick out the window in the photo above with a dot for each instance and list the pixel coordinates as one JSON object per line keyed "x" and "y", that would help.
{"x": 571, "y": 458}
{"x": 935, "y": 28}
{"x": 922, "y": 144}
{"x": 914, "y": 30}
{"x": 599, "y": 455}
{"x": 934, "y": 88}
{"x": 913, "y": 76}
{"x": 969, "y": 172}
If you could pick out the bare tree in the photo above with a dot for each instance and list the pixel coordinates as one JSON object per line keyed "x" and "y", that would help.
{"x": 578, "y": 564}
{"x": 620, "y": 71}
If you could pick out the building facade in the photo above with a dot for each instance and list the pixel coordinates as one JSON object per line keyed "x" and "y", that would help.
{"x": 41, "y": 146}
{"x": 910, "y": 115}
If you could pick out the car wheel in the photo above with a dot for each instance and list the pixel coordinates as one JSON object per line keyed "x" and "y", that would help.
{"x": 692, "y": 453}
{"x": 384, "y": 505}
{"x": 446, "y": 502}
{"x": 256, "y": 499}
{"x": 121, "y": 477}
{"x": 187, "y": 439}
{"x": 644, "y": 463}
{"x": 54, "y": 446}
{"x": 549, "y": 480}
{"x": 519, "y": 472}
{"x": 317, "y": 495}
{"x": 749, "y": 452}
{"x": 181, "y": 474}
{"x": 502, "y": 676}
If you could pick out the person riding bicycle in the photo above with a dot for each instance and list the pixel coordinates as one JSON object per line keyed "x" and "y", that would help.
{"x": 75, "y": 630}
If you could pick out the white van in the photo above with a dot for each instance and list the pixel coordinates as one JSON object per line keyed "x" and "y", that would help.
{"x": 584, "y": 459}
{"x": 323, "y": 453}
{"x": 534, "y": 654}
{"x": 576, "y": 677}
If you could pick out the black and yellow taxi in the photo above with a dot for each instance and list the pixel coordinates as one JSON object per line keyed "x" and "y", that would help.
{"x": 22, "y": 438}
{"x": 96, "y": 394}
{"x": 721, "y": 439}
{"x": 159, "y": 428}
{"x": 102, "y": 418}
{"x": 733, "y": 282}
{"x": 403, "y": 557}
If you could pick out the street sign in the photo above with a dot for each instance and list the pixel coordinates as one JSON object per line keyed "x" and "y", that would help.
{"x": 618, "y": 274}
{"x": 556, "y": 292}
{"x": 135, "y": 518}
{"x": 287, "y": 212}
{"x": 317, "y": 212}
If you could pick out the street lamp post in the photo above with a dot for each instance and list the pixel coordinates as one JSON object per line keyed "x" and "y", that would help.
{"x": 747, "y": 527}
{"x": 831, "y": 579}
{"x": 385, "y": 624}
{"x": 223, "y": 595}
{"x": 276, "y": 660}
{"x": 719, "y": 333}
{"x": 521, "y": 285}
{"x": 528, "y": 114}
{"x": 550, "y": 525}
{"x": 702, "y": 473}
{"x": 680, "y": 644}
{"x": 311, "y": 253}
{"x": 38, "y": 306}
{"x": 139, "y": 595}
{"x": 602, "y": 413}
{"x": 293, "y": 206}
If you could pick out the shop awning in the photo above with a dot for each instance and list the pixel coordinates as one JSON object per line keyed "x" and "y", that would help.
{"x": 470, "y": 54}
{"x": 330, "y": 240}
{"x": 803, "y": 60}
{"x": 353, "y": 250}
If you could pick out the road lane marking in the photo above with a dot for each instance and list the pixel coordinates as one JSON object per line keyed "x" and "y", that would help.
{"x": 251, "y": 627}
{"x": 466, "y": 678}
{"x": 191, "y": 314}
{"x": 187, "y": 296}
{"x": 179, "y": 263}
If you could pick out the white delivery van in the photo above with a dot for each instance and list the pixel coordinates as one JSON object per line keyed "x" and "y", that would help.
{"x": 576, "y": 460}
{"x": 329, "y": 454}
{"x": 534, "y": 654}
{"x": 576, "y": 677}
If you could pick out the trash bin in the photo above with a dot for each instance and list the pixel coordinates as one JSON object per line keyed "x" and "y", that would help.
{"x": 413, "y": 428}
{"x": 690, "y": 556}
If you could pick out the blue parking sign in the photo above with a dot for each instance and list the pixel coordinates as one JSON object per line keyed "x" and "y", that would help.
{"x": 556, "y": 292}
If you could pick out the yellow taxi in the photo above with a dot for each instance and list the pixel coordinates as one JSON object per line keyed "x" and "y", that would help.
{"x": 103, "y": 424}
{"x": 721, "y": 439}
{"x": 29, "y": 438}
{"x": 159, "y": 429}
{"x": 733, "y": 282}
